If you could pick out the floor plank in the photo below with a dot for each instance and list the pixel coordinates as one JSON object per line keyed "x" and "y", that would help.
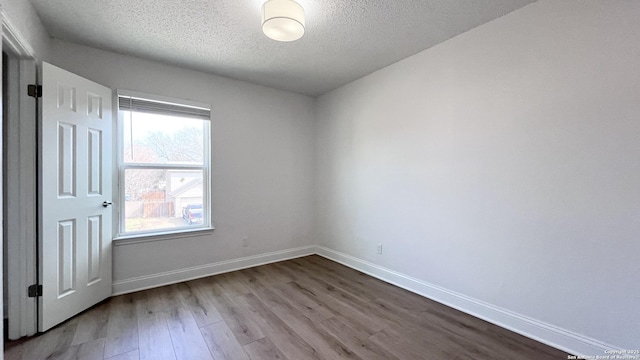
{"x": 232, "y": 285}
{"x": 221, "y": 342}
{"x": 310, "y": 306}
{"x": 285, "y": 338}
{"x": 263, "y": 285}
{"x": 314, "y": 335}
{"x": 186, "y": 338}
{"x": 92, "y": 325}
{"x": 312, "y": 272}
{"x": 402, "y": 349}
{"x": 122, "y": 330}
{"x": 357, "y": 318}
{"x": 13, "y": 352}
{"x": 236, "y": 318}
{"x": 203, "y": 310}
{"x": 91, "y": 350}
{"x": 51, "y": 344}
{"x": 131, "y": 355}
{"x": 264, "y": 349}
{"x": 356, "y": 340}
{"x": 154, "y": 339}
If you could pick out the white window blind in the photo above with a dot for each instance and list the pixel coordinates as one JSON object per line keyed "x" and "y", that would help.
{"x": 130, "y": 103}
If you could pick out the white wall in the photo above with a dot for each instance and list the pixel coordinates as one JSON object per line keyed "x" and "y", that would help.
{"x": 27, "y": 24}
{"x": 503, "y": 164}
{"x": 262, "y": 158}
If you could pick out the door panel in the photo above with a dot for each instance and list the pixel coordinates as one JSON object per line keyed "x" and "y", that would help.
{"x": 94, "y": 141}
{"x": 75, "y": 251}
{"x": 66, "y": 160}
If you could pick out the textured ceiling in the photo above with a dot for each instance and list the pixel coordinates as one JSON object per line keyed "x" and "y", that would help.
{"x": 344, "y": 39}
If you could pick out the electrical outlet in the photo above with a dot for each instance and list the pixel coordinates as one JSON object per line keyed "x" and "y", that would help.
{"x": 245, "y": 241}
{"x": 379, "y": 248}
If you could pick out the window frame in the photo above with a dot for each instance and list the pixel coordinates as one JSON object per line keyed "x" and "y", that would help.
{"x": 160, "y": 234}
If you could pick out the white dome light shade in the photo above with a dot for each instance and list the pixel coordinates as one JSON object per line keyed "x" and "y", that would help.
{"x": 283, "y": 20}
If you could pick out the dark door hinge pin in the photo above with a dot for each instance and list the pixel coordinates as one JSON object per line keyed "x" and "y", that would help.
{"x": 34, "y": 290}
{"x": 34, "y": 90}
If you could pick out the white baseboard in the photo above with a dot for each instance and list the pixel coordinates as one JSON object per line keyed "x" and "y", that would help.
{"x": 171, "y": 277}
{"x": 551, "y": 335}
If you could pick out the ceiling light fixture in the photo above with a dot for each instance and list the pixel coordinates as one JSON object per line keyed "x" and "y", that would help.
{"x": 283, "y": 20}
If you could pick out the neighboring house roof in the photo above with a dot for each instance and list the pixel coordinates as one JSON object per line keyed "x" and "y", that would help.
{"x": 186, "y": 187}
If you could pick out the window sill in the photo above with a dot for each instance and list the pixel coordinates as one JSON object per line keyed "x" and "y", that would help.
{"x": 143, "y": 238}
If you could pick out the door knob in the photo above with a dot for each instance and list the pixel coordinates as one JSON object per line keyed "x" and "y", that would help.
{"x": 107, "y": 203}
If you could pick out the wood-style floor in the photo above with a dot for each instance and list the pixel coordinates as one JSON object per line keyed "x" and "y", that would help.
{"x": 306, "y": 308}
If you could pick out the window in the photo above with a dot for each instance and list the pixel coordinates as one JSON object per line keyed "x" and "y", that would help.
{"x": 164, "y": 153}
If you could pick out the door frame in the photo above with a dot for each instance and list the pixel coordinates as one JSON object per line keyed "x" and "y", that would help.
{"x": 21, "y": 237}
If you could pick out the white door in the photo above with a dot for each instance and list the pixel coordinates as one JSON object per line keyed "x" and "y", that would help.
{"x": 75, "y": 237}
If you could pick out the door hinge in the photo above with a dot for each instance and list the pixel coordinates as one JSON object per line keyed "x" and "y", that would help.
{"x": 34, "y": 290}
{"x": 34, "y": 90}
